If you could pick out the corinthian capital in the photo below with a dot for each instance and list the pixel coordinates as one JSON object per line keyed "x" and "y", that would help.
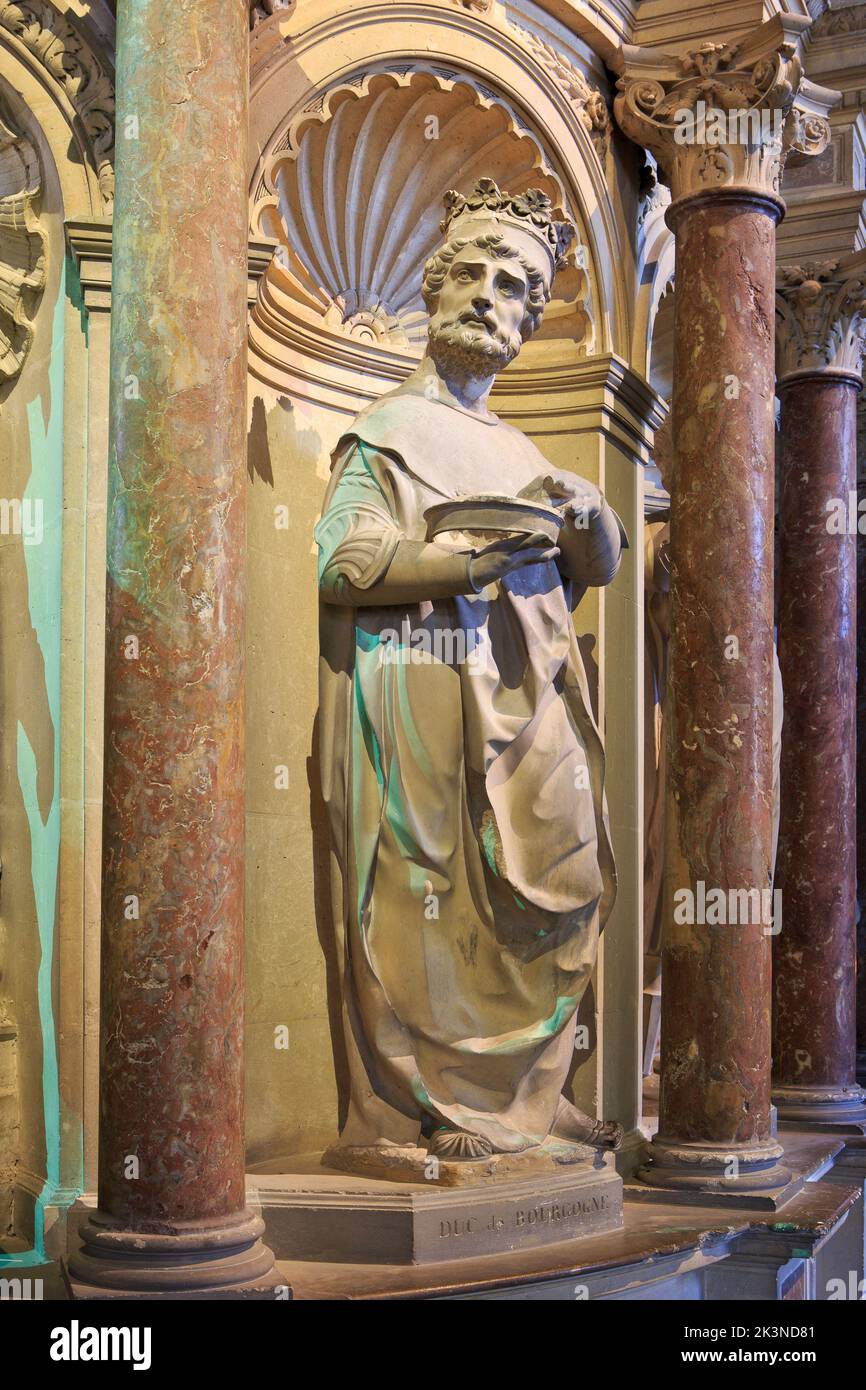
{"x": 725, "y": 115}
{"x": 821, "y": 317}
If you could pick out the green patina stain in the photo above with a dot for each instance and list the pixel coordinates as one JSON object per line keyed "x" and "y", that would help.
{"x": 44, "y": 589}
{"x": 488, "y": 842}
{"x": 530, "y": 1037}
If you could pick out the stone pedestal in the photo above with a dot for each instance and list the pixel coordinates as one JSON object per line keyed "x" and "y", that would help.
{"x": 715, "y": 1130}
{"x": 814, "y": 984}
{"x": 317, "y": 1213}
{"x": 172, "y": 1218}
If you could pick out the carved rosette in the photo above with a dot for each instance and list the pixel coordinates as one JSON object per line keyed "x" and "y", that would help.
{"x": 722, "y": 115}
{"x": 61, "y": 50}
{"x": 821, "y": 318}
{"x": 22, "y": 249}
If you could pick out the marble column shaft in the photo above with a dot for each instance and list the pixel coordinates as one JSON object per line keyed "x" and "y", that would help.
{"x": 172, "y": 1210}
{"x": 815, "y": 953}
{"x": 715, "y": 1066}
{"x": 715, "y": 1117}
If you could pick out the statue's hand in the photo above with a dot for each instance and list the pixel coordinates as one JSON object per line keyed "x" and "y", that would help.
{"x": 574, "y": 495}
{"x": 513, "y": 553}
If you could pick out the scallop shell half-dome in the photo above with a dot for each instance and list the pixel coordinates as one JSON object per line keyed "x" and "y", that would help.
{"x": 353, "y": 194}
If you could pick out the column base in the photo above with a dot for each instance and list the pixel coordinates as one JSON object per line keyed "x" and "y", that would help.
{"x": 217, "y": 1258}
{"x": 736, "y": 1170}
{"x": 837, "y": 1108}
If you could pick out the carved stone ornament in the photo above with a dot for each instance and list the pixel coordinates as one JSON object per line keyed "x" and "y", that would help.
{"x": 63, "y": 53}
{"x": 22, "y": 248}
{"x": 587, "y": 100}
{"x": 352, "y": 192}
{"x": 834, "y": 22}
{"x": 821, "y": 317}
{"x": 724, "y": 115}
{"x": 263, "y": 9}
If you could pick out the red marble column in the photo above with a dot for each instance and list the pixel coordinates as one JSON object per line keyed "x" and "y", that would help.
{"x": 814, "y": 1082}
{"x": 860, "y": 734}
{"x": 715, "y": 1113}
{"x": 172, "y": 1218}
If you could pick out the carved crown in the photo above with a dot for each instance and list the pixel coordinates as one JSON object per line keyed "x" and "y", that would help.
{"x": 531, "y": 211}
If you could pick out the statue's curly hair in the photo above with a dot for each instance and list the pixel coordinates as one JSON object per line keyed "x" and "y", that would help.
{"x": 439, "y": 263}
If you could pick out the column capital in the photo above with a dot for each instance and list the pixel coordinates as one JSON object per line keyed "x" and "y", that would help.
{"x": 821, "y": 318}
{"x": 724, "y": 116}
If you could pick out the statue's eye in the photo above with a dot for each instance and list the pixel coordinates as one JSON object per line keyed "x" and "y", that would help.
{"x": 464, "y": 275}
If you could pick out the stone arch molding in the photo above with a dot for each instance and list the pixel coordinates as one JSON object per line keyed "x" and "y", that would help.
{"x": 352, "y": 192}
{"x": 22, "y": 247}
{"x": 44, "y": 39}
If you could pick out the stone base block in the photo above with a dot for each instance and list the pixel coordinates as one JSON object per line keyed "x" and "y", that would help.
{"x": 317, "y": 1213}
{"x": 823, "y": 1110}
{"x": 211, "y": 1258}
{"x": 802, "y": 1159}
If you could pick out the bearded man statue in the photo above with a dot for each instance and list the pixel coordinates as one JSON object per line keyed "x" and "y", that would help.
{"x": 461, "y": 767}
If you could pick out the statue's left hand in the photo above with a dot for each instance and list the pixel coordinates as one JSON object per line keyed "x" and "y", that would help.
{"x": 576, "y": 496}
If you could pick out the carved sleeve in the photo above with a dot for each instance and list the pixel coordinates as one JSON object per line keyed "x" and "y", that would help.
{"x": 357, "y": 535}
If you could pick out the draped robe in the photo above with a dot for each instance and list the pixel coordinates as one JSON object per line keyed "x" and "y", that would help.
{"x": 463, "y": 776}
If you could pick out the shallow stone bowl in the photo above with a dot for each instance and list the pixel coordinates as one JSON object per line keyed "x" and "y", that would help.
{"x": 489, "y": 515}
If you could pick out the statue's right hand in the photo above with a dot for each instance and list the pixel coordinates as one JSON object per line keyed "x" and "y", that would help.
{"x": 511, "y": 553}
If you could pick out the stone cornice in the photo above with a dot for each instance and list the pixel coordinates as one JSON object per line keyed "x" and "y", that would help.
{"x": 62, "y": 51}
{"x": 90, "y": 244}
{"x": 821, "y": 318}
{"x": 756, "y": 84}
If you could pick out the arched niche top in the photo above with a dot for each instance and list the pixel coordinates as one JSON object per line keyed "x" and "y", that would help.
{"x": 352, "y": 192}
{"x": 47, "y": 53}
{"x": 559, "y": 99}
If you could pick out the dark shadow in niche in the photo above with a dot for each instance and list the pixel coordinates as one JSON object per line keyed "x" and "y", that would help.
{"x": 324, "y": 909}
{"x": 585, "y": 1018}
{"x": 258, "y": 445}
{"x": 586, "y": 643}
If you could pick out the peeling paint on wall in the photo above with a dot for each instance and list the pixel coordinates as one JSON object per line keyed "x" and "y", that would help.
{"x": 43, "y": 567}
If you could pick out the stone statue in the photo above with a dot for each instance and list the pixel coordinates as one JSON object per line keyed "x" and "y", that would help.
{"x": 461, "y": 767}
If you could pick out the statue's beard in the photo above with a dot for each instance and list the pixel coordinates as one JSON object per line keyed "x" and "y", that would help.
{"x": 465, "y": 350}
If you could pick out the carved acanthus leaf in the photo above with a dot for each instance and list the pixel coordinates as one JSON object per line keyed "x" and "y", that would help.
{"x": 821, "y": 317}
{"x": 22, "y": 248}
{"x": 723, "y": 115}
{"x": 61, "y": 50}
{"x": 587, "y": 100}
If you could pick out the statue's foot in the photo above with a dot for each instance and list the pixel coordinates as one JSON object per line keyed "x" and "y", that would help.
{"x": 606, "y": 1134}
{"x": 456, "y": 1144}
{"x": 571, "y": 1124}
